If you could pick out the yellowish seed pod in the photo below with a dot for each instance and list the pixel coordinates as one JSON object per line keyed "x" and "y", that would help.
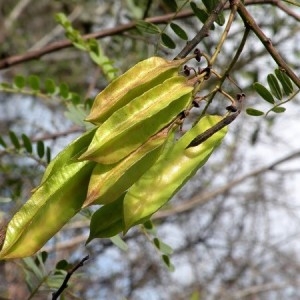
{"x": 108, "y": 182}
{"x": 169, "y": 173}
{"x": 132, "y": 125}
{"x": 137, "y": 80}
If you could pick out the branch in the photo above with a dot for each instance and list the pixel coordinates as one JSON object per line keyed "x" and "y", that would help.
{"x": 15, "y": 13}
{"x": 67, "y": 245}
{"x": 221, "y": 124}
{"x": 250, "y": 22}
{"x": 53, "y": 136}
{"x": 258, "y": 289}
{"x": 277, "y": 3}
{"x": 64, "y": 285}
{"x": 17, "y": 59}
{"x": 31, "y": 55}
{"x": 57, "y": 30}
{"x": 204, "y": 31}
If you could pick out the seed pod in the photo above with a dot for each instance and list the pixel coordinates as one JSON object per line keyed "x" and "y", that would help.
{"x": 71, "y": 152}
{"x": 107, "y": 221}
{"x": 108, "y": 182}
{"x": 52, "y": 205}
{"x": 133, "y": 124}
{"x": 169, "y": 173}
{"x": 137, "y": 80}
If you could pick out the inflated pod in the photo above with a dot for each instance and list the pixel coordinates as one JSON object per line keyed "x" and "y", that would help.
{"x": 137, "y": 80}
{"x": 71, "y": 152}
{"x": 169, "y": 173}
{"x": 108, "y": 182}
{"x": 58, "y": 198}
{"x": 107, "y": 221}
{"x": 133, "y": 124}
{"x": 50, "y": 207}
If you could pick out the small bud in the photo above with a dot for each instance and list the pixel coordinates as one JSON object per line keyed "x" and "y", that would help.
{"x": 231, "y": 108}
{"x": 186, "y": 70}
{"x": 183, "y": 114}
{"x": 195, "y": 103}
{"x": 240, "y": 97}
{"x": 207, "y": 72}
{"x": 198, "y": 54}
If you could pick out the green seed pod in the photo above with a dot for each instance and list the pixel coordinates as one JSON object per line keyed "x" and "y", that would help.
{"x": 169, "y": 173}
{"x": 133, "y": 124}
{"x": 52, "y": 205}
{"x": 58, "y": 198}
{"x": 108, "y": 182}
{"x": 137, "y": 80}
{"x": 107, "y": 221}
{"x": 71, "y": 152}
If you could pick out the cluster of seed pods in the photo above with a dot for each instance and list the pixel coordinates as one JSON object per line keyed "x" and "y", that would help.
{"x": 129, "y": 163}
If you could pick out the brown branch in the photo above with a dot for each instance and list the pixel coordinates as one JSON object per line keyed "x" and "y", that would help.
{"x": 250, "y": 22}
{"x": 67, "y": 245}
{"x": 31, "y": 55}
{"x": 221, "y": 124}
{"x": 206, "y": 197}
{"x": 262, "y": 288}
{"x": 17, "y": 59}
{"x": 277, "y": 3}
{"x": 204, "y": 31}
{"x": 53, "y": 136}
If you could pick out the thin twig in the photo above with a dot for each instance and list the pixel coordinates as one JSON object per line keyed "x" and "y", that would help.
{"x": 250, "y": 22}
{"x": 283, "y": 102}
{"x": 211, "y": 131}
{"x": 204, "y": 31}
{"x": 64, "y": 285}
{"x": 55, "y": 46}
{"x": 236, "y": 109}
{"x": 147, "y": 9}
{"x": 15, "y": 13}
{"x": 255, "y": 290}
{"x": 225, "y": 33}
{"x": 55, "y": 135}
{"x": 229, "y": 68}
{"x": 58, "y": 29}
{"x": 67, "y": 245}
{"x": 277, "y": 3}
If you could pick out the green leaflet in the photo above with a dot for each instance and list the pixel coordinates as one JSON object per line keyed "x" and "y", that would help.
{"x": 52, "y": 205}
{"x": 285, "y": 81}
{"x": 169, "y": 173}
{"x": 137, "y": 80}
{"x": 108, "y": 182}
{"x": 133, "y": 124}
{"x": 264, "y": 92}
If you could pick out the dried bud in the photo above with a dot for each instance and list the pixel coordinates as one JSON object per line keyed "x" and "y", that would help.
{"x": 207, "y": 72}
{"x": 195, "y": 103}
{"x": 198, "y": 54}
{"x": 231, "y": 108}
{"x": 186, "y": 70}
